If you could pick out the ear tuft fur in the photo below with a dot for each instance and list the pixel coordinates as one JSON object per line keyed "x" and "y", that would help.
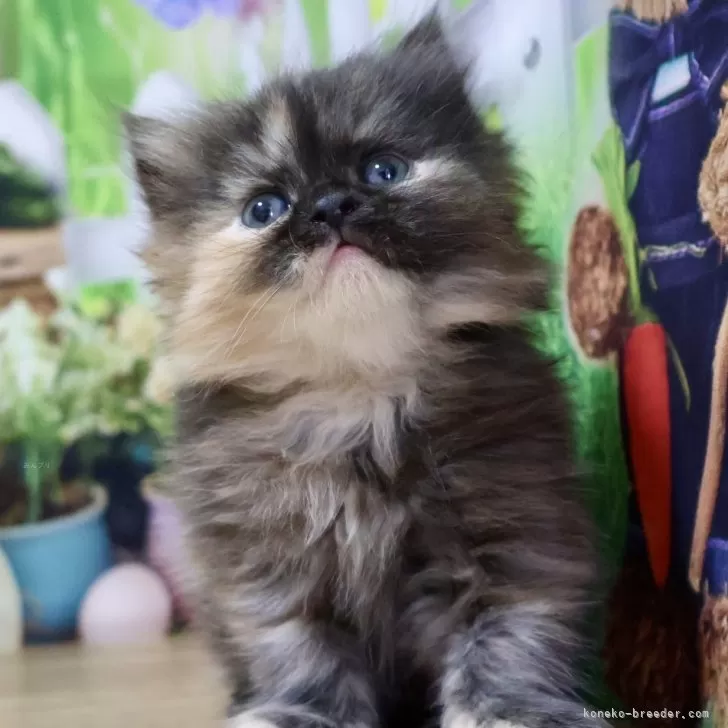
{"x": 427, "y": 33}
{"x": 162, "y": 153}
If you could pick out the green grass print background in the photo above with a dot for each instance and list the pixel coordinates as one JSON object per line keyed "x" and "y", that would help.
{"x": 85, "y": 60}
{"x": 555, "y": 169}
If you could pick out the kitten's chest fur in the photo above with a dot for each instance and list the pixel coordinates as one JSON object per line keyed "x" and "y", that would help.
{"x": 344, "y": 456}
{"x": 312, "y": 487}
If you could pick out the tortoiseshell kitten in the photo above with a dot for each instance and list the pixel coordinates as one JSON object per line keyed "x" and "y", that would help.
{"x": 372, "y": 460}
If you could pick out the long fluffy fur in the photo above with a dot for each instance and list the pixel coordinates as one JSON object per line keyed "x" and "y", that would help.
{"x": 373, "y": 461}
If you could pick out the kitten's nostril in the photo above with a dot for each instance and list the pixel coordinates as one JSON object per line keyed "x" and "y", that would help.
{"x": 348, "y": 205}
{"x": 333, "y": 208}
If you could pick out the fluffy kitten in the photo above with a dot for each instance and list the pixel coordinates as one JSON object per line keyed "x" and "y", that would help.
{"x": 372, "y": 461}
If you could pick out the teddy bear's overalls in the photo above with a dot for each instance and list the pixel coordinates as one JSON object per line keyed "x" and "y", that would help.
{"x": 684, "y": 279}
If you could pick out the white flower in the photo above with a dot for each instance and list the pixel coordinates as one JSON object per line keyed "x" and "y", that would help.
{"x": 159, "y": 386}
{"x": 138, "y": 329}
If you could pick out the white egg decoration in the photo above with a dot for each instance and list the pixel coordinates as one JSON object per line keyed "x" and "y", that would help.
{"x": 129, "y": 604}
{"x": 11, "y": 609}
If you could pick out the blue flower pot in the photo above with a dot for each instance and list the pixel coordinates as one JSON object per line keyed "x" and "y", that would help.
{"x": 55, "y": 562}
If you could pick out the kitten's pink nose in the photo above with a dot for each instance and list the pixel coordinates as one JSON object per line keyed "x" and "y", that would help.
{"x": 333, "y": 208}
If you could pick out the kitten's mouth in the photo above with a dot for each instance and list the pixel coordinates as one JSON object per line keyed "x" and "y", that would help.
{"x": 348, "y": 246}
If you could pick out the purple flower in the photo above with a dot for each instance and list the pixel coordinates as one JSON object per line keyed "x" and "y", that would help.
{"x": 178, "y": 14}
{"x": 224, "y": 7}
{"x": 250, "y": 8}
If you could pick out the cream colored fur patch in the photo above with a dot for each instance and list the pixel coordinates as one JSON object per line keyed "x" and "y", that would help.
{"x": 249, "y": 720}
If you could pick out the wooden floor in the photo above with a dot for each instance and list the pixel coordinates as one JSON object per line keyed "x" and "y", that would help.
{"x": 171, "y": 685}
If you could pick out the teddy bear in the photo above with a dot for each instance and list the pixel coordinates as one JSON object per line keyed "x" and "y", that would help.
{"x": 708, "y": 560}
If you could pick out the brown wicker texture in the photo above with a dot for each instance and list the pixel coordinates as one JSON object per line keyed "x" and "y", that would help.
{"x": 713, "y": 191}
{"x": 25, "y": 256}
{"x": 597, "y": 281}
{"x": 714, "y": 657}
{"x": 33, "y": 290}
{"x": 651, "y": 647}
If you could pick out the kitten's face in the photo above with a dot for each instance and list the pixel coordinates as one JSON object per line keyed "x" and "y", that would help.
{"x": 348, "y": 213}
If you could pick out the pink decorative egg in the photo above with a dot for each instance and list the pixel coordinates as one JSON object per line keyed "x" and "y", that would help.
{"x": 129, "y": 604}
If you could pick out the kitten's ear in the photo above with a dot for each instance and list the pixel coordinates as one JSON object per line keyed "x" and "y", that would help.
{"x": 163, "y": 156}
{"x": 433, "y": 36}
{"x": 428, "y": 33}
{"x": 481, "y": 43}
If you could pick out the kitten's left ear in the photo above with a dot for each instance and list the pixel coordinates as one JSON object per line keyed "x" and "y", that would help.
{"x": 164, "y": 157}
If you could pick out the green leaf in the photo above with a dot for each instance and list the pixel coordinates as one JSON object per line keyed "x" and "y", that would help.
{"x": 98, "y": 301}
{"x": 680, "y": 371}
{"x": 77, "y": 376}
{"x": 633, "y": 178}
{"x": 26, "y": 200}
{"x": 493, "y": 119}
{"x": 377, "y": 10}
{"x": 315, "y": 14}
{"x": 610, "y": 162}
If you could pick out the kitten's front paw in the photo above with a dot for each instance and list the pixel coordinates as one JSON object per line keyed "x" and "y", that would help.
{"x": 249, "y": 720}
{"x": 454, "y": 718}
{"x": 253, "y": 719}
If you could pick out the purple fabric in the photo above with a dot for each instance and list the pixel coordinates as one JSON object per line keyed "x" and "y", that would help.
{"x": 684, "y": 276}
{"x": 670, "y": 138}
{"x": 639, "y": 48}
{"x": 691, "y": 314}
{"x": 716, "y": 567}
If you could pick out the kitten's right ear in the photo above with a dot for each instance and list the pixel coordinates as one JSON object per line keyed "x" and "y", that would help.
{"x": 162, "y": 154}
{"x": 427, "y": 33}
{"x": 439, "y": 34}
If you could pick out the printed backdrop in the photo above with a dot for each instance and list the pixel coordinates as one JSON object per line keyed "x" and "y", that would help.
{"x": 540, "y": 72}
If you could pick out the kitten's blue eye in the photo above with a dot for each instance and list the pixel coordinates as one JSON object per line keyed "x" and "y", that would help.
{"x": 384, "y": 170}
{"x": 265, "y": 209}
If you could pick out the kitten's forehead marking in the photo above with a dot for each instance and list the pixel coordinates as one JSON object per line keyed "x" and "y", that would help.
{"x": 378, "y": 121}
{"x": 278, "y": 130}
{"x": 273, "y": 148}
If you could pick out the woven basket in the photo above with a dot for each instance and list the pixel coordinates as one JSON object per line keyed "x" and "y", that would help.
{"x": 651, "y": 645}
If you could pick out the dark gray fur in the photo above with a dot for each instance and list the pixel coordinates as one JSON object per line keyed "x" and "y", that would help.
{"x": 364, "y": 555}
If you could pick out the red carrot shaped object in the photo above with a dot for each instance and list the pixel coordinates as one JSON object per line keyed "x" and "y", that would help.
{"x": 645, "y": 383}
{"x": 647, "y": 402}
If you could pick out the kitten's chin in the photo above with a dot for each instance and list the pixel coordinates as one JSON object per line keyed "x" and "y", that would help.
{"x": 343, "y": 272}
{"x": 362, "y": 313}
